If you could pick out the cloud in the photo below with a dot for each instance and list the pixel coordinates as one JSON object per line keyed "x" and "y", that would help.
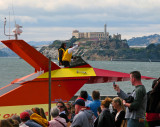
{"x": 129, "y": 17}
{"x": 65, "y": 33}
{"x": 25, "y": 19}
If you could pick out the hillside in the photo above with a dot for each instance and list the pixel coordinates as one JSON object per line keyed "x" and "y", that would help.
{"x": 144, "y": 41}
{"x": 101, "y": 50}
{"x": 93, "y": 49}
{"x": 6, "y": 52}
{"x": 39, "y": 43}
{"x": 89, "y": 49}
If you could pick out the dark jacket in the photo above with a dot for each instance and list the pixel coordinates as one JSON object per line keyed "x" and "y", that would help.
{"x": 106, "y": 119}
{"x": 119, "y": 119}
{"x": 32, "y": 123}
{"x": 61, "y": 53}
{"x": 153, "y": 102}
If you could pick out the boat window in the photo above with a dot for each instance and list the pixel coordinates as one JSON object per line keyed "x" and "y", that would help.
{"x": 77, "y": 61}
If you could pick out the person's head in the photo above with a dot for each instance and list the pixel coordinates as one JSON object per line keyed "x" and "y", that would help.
{"x": 29, "y": 111}
{"x": 39, "y": 111}
{"x": 135, "y": 76}
{"x": 105, "y": 103}
{"x": 69, "y": 107}
{"x": 63, "y": 45}
{"x": 84, "y": 94}
{"x": 79, "y": 104}
{"x": 54, "y": 112}
{"x": 16, "y": 117}
{"x": 15, "y": 123}
{"x": 5, "y": 123}
{"x": 117, "y": 103}
{"x": 9, "y": 123}
{"x": 24, "y": 116}
{"x": 95, "y": 95}
{"x": 156, "y": 85}
{"x": 61, "y": 106}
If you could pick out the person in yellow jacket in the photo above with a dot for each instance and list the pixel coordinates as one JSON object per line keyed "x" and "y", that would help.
{"x": 68, "y": 55}
{"x": 39, "y": 119}
{"x": 61, "y": 52}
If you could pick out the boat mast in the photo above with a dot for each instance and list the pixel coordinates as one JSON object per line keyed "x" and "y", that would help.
{"x": 17, "y": 31}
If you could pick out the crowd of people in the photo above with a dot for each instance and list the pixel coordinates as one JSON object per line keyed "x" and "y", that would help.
{"x": 137, "y": 109}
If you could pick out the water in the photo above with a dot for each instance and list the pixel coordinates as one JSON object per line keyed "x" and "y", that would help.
{"x": 12, "y": 68}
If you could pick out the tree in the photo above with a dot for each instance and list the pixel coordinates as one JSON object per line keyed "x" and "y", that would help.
{"x": 151, "y": 47}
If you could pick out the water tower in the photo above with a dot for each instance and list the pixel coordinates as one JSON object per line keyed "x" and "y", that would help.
{"x": 105, "y": 32}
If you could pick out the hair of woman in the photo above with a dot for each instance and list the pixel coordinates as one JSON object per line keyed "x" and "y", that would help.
{"x": 119, "y": 101}
{"x": 16, "y": 117}
{"x": 9, "y": 123}
{"x": 106, "y": 102}
{"x": 39, "y": 111}
{"x": 65, "y": 108}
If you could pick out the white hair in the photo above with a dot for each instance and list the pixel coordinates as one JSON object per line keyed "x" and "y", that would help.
{"x": 54, "y": 112}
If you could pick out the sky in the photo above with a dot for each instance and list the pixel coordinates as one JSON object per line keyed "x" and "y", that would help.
{"x": 48, "y": 20}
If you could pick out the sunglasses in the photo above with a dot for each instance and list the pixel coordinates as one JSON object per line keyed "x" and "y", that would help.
{"x": 60, "y": 106}
{"x": 68, "y": 108}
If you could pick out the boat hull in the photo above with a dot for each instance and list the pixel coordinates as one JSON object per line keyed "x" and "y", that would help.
{"x": 33, "y": 90}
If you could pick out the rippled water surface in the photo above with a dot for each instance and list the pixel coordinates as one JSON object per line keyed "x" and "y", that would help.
{"x": 12, "y": 68}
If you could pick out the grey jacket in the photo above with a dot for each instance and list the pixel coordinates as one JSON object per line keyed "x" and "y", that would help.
{"x": 138, "y": 106}
{"x": 85, "y": 118}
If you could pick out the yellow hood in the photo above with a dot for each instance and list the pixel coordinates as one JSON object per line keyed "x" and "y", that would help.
{"x": 39, "y": 119}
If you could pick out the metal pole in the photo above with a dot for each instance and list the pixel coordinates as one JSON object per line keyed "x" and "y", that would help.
{"x": 49, "y": 106}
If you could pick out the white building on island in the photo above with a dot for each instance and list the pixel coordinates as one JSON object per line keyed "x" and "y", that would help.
{"x": 95, "y": 35}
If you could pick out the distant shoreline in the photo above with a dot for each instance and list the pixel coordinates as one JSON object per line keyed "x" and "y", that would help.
{"x": 131, "y": 60}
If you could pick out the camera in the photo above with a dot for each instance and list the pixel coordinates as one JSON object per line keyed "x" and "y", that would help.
{"x": 130, "y": 99}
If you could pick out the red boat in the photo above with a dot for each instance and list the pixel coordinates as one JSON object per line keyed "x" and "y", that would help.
{"x": 32, "y": 90}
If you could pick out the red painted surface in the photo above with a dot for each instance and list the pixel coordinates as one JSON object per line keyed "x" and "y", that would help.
{"x": 36, "y": 91}
{"x": 110, "y": 76}
{"x": 30, "y": 55}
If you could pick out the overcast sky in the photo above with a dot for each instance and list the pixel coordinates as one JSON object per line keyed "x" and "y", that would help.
{"x": 47, "y": 20}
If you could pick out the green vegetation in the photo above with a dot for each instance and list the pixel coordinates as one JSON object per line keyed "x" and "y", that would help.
{"x": 113, "y": 49}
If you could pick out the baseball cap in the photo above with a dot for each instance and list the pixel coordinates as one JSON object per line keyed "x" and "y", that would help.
{"x": 80, "y": 102}
{"x": 24, "y": 116}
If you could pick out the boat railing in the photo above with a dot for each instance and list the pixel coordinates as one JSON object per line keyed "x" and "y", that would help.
{"x": 29, "y": 77}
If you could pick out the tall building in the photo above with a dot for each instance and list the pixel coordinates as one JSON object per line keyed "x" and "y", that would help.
{"x": 105, "y": 32}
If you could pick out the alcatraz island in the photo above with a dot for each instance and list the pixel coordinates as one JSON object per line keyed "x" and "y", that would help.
{"x": 103, "y": 46}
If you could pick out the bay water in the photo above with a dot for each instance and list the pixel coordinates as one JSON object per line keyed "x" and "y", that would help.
{"x": 12, "y": 68}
